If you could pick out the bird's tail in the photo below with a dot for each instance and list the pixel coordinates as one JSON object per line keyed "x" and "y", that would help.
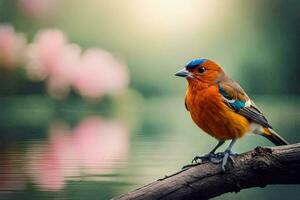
{"x": 274, "y": 137}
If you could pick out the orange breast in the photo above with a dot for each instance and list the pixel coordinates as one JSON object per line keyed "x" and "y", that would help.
{"x": 211, "y": 114}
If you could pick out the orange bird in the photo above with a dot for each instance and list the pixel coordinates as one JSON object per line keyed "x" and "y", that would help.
{"x": 220, "y": 107}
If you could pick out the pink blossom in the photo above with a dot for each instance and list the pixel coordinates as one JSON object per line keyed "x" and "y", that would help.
{"x": 61, "y": 77}
{"x": 50, "y": 56}
{"x": 46, "y": 53}
{"x": 37, "y": 8}
{"x": 94, "y": 74}
{"x": 100, "y": 73}
{"x": 12, "y": 46}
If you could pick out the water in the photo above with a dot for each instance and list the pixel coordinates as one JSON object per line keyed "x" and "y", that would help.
{"x": 70, "y": 151}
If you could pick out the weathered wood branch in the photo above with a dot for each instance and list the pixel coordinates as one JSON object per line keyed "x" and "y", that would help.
{"x": 257, "y": 168}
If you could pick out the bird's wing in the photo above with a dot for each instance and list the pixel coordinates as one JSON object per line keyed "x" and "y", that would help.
{"x": 236, "y": 98}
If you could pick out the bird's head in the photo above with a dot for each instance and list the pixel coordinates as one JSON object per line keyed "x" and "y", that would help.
{"x": 201, "y": 71}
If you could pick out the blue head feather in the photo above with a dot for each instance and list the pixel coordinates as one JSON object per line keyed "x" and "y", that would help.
{"x": 195, "y": 63}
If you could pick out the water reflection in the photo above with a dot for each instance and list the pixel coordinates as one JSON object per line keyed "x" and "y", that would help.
{"x": 94, "y": 147}
{"x": 11, "y": 177}
{"x": 92, "y": 158}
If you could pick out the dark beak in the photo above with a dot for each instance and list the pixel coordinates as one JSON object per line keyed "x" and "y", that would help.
{"x": 183, "y": 73}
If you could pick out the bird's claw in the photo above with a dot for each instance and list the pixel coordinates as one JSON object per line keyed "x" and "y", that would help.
{"x": 206, "y": 157}
{"x": 196, "y": 160}
{"x": 216, "y": 158}
{"x": 222, "y": 157}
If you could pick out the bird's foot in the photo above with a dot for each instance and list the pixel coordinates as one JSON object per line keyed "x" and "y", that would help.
{"x": 206, "y": 157}
{"x": 222, "y": 157}
{"x": 199, "y": 159}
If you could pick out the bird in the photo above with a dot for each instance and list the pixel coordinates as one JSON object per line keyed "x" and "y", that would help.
{"x": 220, "y": 107}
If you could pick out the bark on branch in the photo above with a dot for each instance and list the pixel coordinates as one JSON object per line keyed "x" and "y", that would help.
{"x": 257, "y": 168}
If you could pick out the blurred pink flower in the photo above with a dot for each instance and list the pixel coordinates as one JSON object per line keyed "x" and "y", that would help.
{"x": 12, "y": 46}
{"x": 94, "y": 74}
{"x": 46, "y": 54}
{"x": 100, "y": 73}
{"x": 50, "y": 56}
{"x": 60, "y": 80}
{"x": 37, "y": 8}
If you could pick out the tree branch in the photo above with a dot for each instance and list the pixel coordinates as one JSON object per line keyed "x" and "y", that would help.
{"x": 256, "y": 168}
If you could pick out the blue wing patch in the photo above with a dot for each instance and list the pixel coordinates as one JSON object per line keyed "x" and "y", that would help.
{"x": 195, "y": 63}
{"x": 246, "y": 109}
{"x": 235, "y": 104}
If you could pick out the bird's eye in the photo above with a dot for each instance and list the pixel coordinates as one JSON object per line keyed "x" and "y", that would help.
{"x": 201, "y": 70}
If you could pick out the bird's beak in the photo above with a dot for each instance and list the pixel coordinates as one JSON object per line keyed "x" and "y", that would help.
{"x": 183, "y": 73}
